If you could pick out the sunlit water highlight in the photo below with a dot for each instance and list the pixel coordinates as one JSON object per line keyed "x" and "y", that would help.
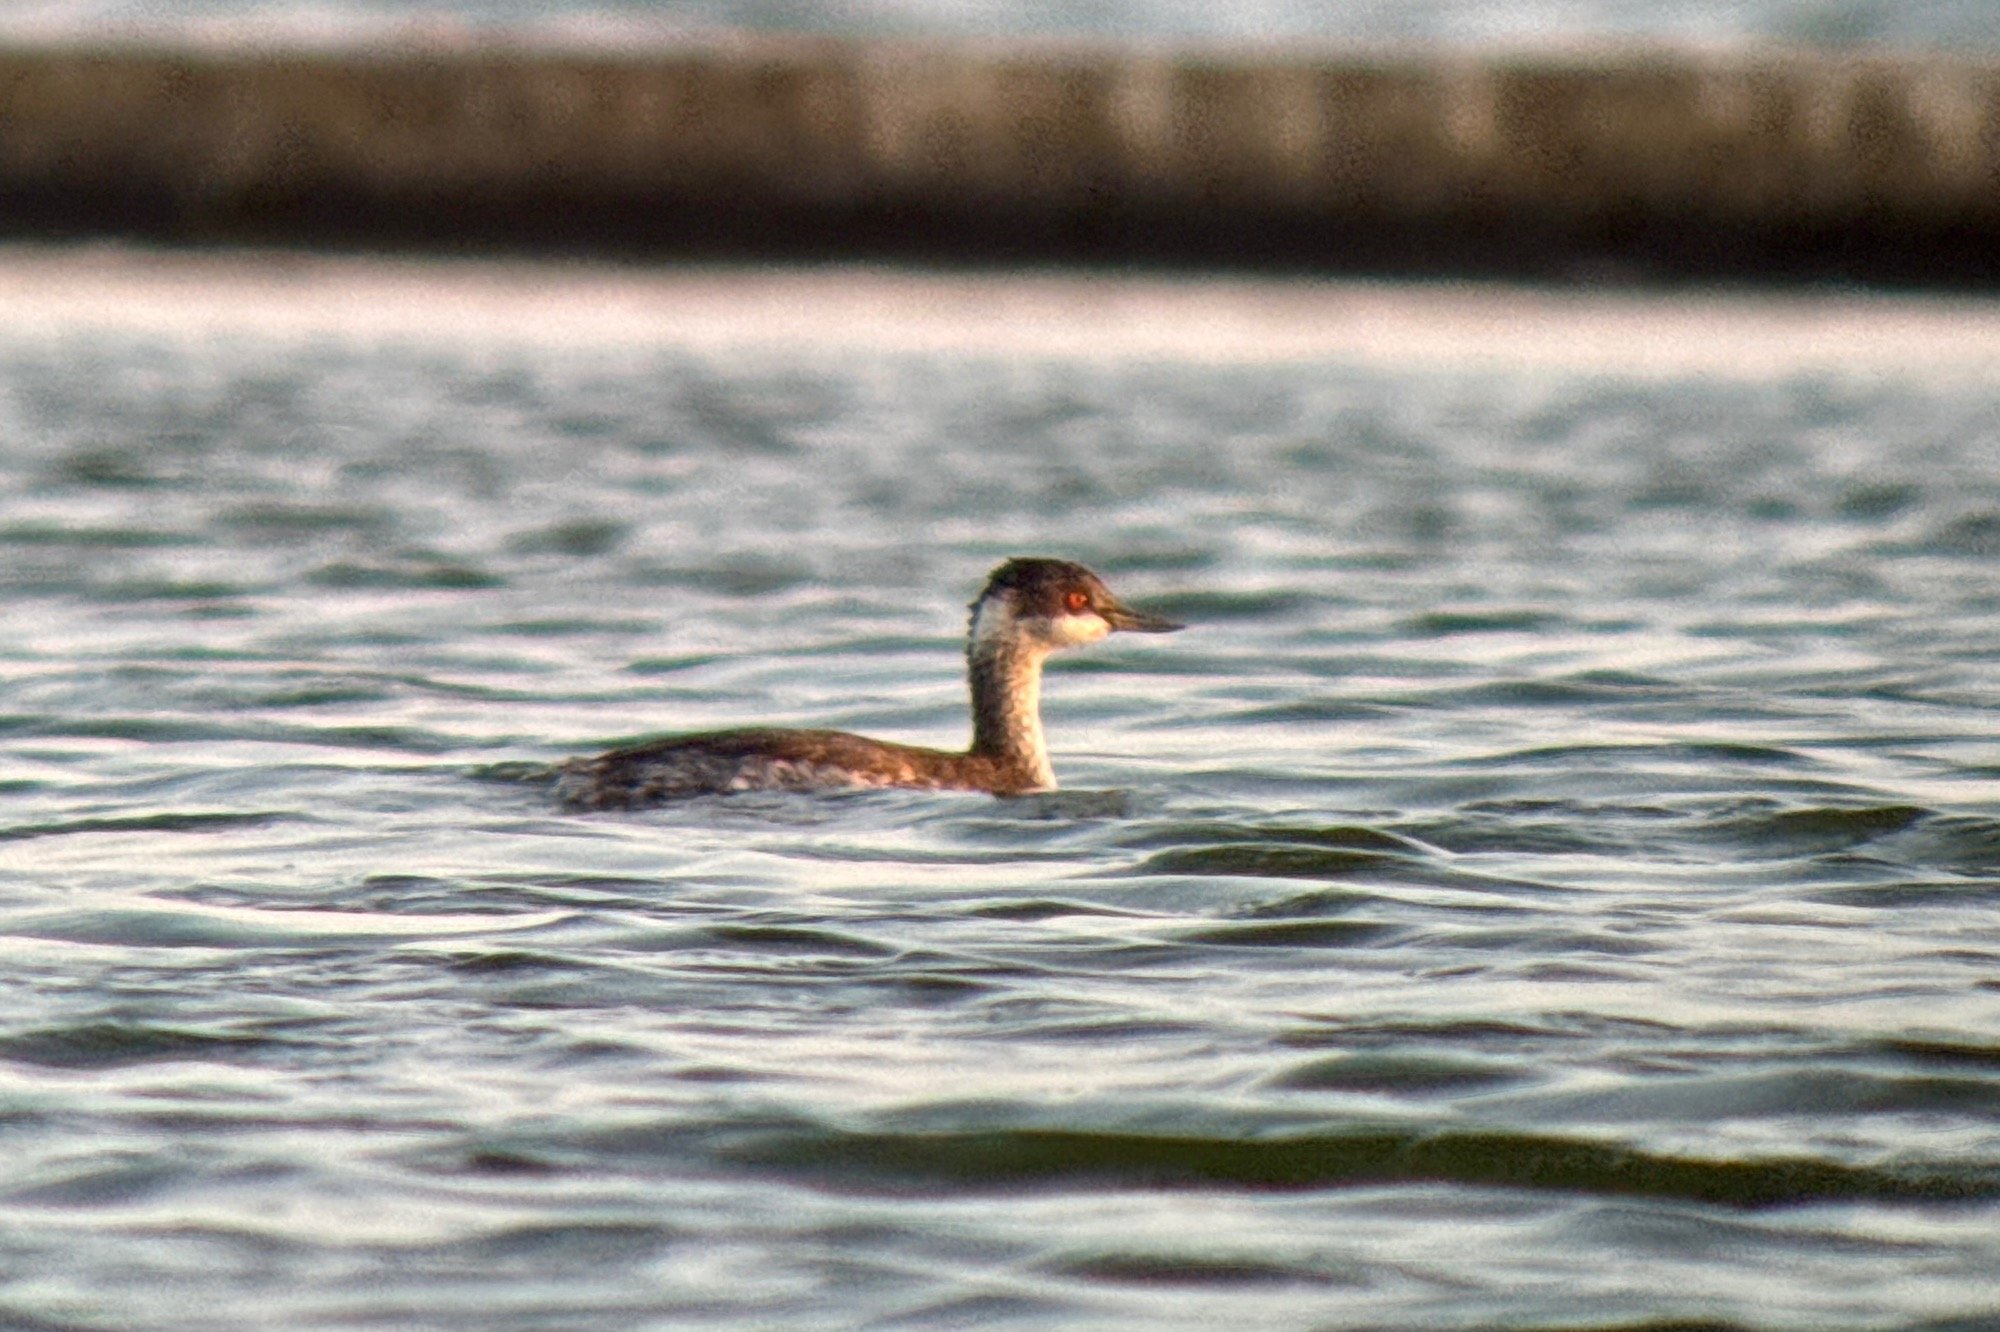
{"x": 1553, "y": 882}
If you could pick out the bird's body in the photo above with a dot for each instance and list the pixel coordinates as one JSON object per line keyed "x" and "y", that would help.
{"x": 1028, "y": 609}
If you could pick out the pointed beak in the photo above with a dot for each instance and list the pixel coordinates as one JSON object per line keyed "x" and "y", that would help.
{"x": 1127, "y": 620}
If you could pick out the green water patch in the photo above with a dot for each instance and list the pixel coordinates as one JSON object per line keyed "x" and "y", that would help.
{"x": 1310, "y": 933}
{"x": 1340, "y": 836}
{"x": 570, "y": 626}
{"x": 574, "y": 537}
{"x": 1068, "y": 806}
{"x": 498, "y": 896}
{"x": 513, "y": 772}
{"x": 589, "y": 1245}
{"x": 111, "y": 1044}
{"x": 1546, "y": 942}
{"x": 107, "y": 1179}
{"x": 143, "y": 823}
{"x": 270, "y": 520}
{"x": 598, "y": 892}
{"x": 1012, "y": 1159}
{"x": 172, "y": 589}
{"x": 1259, "y": 860}
{"x": 1189, "y": 1269}
{"x": 1816, "y": 830}
{"x": 1911, "y": 893}
{"x": 81, "y": 536}
{"x": 748, "y": 577}
{"x": 1315, "y": 902}
{"x": 524, "y": 980}
{"x": 319, "y": 694}
{"x": 930, "y": 989}
{"x": 1042, "y": 908}
{"x": 1927, "y": 1052}
{"x": 1487, "y": 1033}
{"x": 1448, "y": 624}
{"x": 686, "y": 661}
{"x": 195, "y": 730}
{"x": 1628, "y": 756}
{"x": 425, "y": 575}
{"x": 1974, "y": 535}
{"x": 1387, "y": 1072}
{"x": 1573, "y": 691}
{"x": 1878, "y": 501}
{"x": 796, "y": 939}
{"x": 1298, "y": 712}
{"x": 1332, "y": 851}
{"x": 514, "y": 962}
{"x": 106, "y": 727}
{"x": 110, "y": 467}
{"x": 1500, "y": 835}
{"x": 1961, "y": 843}
{"x": 398, "y": 739}
{"x": 1372, "y": 857}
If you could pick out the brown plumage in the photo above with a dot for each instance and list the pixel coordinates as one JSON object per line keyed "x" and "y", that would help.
{"x": 1028, "y": 609}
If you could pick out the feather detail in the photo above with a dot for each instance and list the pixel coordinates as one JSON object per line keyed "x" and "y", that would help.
{"x": 1028, "y": 609}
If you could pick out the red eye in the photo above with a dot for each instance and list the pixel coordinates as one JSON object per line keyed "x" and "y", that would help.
{"x": 1077, "y": 601}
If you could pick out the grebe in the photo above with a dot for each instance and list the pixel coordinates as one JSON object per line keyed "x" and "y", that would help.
{"x": 1028, "y": 609}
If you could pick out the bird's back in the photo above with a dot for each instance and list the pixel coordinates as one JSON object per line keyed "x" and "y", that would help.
{"x": 767, "y": 759}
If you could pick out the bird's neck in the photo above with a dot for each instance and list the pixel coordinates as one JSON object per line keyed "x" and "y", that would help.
{"x": 1007, "y": 707}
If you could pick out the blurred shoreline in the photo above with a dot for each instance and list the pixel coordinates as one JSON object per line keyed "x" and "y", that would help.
{"x": 1634, "y": 164}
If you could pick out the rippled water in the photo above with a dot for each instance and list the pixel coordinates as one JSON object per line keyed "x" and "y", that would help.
{"x": 1554, "y": 882}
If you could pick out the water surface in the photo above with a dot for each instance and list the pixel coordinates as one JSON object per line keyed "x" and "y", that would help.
{"x": 1553, "y": 883}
